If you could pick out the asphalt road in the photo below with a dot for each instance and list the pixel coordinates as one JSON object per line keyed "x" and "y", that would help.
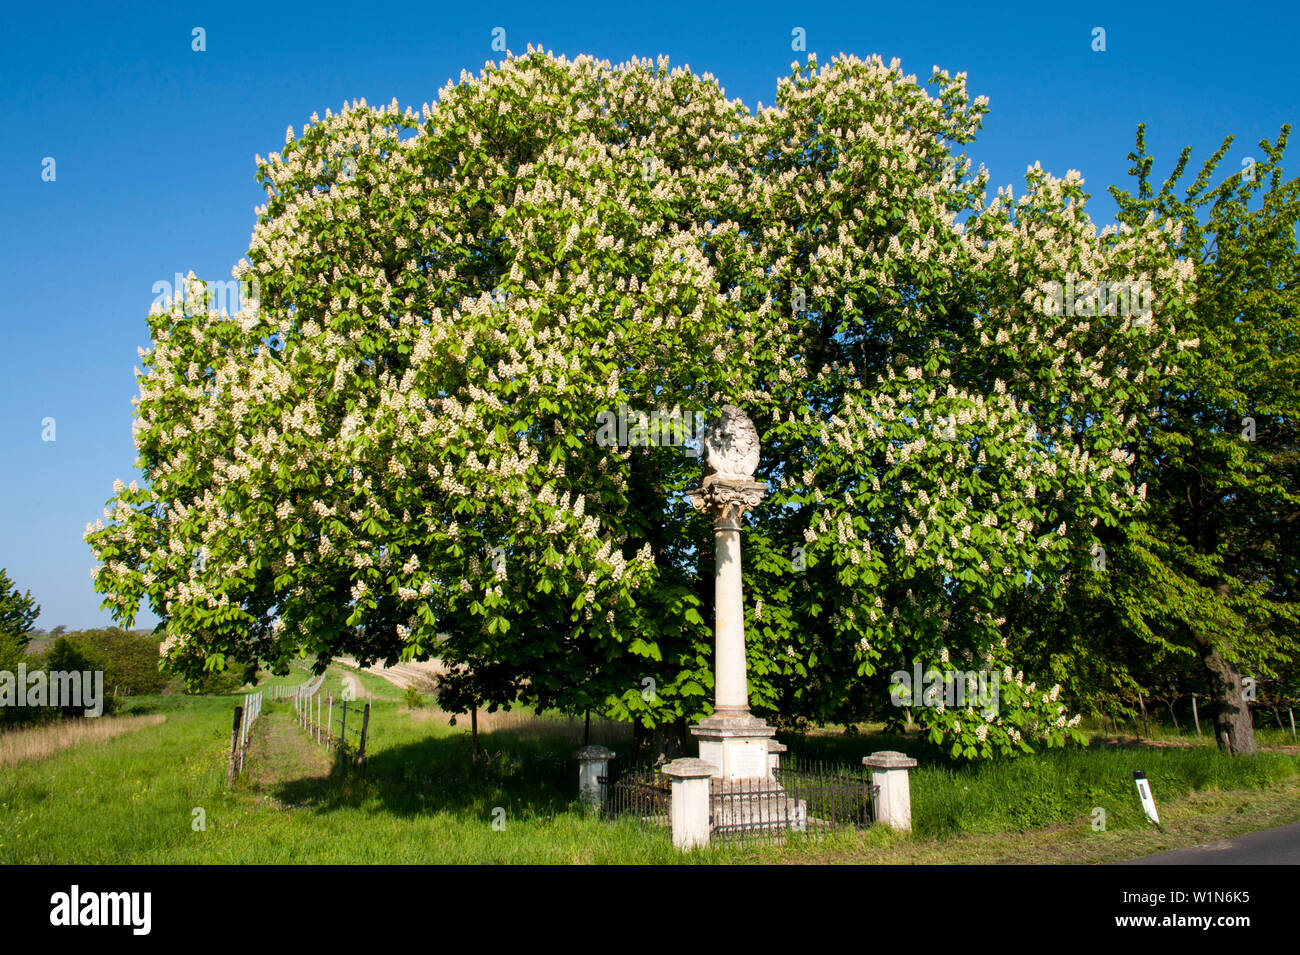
{"x": 1280, "y": 846}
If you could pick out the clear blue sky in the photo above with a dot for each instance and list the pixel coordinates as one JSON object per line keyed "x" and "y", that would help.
{"x": 154, "y": 147}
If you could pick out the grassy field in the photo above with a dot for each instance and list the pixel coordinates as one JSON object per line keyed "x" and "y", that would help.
{"x": 156, "y": 794}
{"x": 38, "y": 742}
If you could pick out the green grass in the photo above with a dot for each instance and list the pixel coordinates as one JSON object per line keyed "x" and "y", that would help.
{"x": 1058, "y": 786}
{"x": 380, "y": 688}
{"x": 422, "y": 799}
{"x": 1064, "y": 786}
{"x": 132, "y": 799}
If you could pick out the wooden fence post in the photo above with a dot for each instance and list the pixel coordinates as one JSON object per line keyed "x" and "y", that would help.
{"x": 329, "y": 723}
{"x": 343, "y": 732}
{"x": 234, "y": 744}
{"x": 361, "y": 750}
{"x": 1196, "y": 716}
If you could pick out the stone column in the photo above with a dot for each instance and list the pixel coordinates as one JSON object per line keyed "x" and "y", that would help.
{"x": 593, "y": 763}
{"x": 690, "y": 801}
{"x": 894, "y": 802}
{"x": 732, "y": 740}
{"x": 725, "y": 501}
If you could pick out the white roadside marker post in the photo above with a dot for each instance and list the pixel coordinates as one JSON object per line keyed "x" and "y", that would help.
{"x": 1144, "y": 793}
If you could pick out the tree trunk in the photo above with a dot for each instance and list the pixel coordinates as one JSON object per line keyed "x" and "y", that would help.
{"x": 670, "y": 740}
{"x": 663, "y": 743}
{"x": 473, "y": 733}
{"x": 1233, "y": 726}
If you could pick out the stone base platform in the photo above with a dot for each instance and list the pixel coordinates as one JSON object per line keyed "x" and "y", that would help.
{"x": 748, "y": 807}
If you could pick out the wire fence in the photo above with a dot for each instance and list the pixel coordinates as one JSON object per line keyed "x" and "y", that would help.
{"x": 753, "y": 809}
{"x": 241, "y": 730}
{"x": 247, "y": 713}
{"x": 290, "y": 692}
{"x": 803, "y": 796}
{"x": 319, "y": 713}
{"x": 836, "y": 795}
{"x": 641, "y": 793}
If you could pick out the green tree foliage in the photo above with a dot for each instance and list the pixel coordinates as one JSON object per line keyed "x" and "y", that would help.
{"x": 129, "y": 660}
{"x": 18, "y": 612}
{"x": 67, "y": 655}
{"x": 412, "y": 698}
{"x": 13, "y": 651}
{"x": 1208, "y": 573}
{"x": 394, "y": 451}
{"x": 218, "y": 682}
{"x": 468, "y": 686}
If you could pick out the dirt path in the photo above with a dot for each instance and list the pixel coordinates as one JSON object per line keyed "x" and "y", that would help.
{"x": 281, "y": 752}
{"x": 401, "y": 675}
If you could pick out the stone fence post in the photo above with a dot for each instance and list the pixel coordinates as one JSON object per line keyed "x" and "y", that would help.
{"x": 690, "y": 801}
{"x": 894, "y": 803}
{"x": 593, "y": 763}
{"x": 774, "y": 751}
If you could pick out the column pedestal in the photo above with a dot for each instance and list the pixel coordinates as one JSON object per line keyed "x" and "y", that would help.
{"x": 736, "y": 746}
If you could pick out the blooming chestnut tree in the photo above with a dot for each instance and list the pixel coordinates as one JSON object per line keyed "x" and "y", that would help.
{"x": 944, "y": 423}
{"x": 393, "y": 451}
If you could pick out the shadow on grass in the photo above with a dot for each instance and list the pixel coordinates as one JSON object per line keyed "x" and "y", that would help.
{"x": 529, "y": 775}
{"x": 530, "y": 772}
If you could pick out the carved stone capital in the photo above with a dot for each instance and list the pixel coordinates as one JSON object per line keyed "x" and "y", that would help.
{"x": 726, "y": 500}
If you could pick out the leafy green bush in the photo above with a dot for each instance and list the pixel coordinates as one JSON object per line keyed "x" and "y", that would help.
{"x": 13, "y": 649}
{"x": 68, "y": 654}
{"x": 129, "y": 660}
{"x": 218, "y": 682}
{"x": 412, "y": 698}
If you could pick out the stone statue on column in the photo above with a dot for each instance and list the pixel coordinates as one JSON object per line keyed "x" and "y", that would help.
{"x": 732, "y": 740}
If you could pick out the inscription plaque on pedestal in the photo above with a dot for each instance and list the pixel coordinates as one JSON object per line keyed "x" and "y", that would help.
{"x": 749, "y": 761}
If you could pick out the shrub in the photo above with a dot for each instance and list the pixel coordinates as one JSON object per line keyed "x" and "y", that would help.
{"x": 12, "y": 653}
{"x": 129, "y": 660}
{"x": 68, "y": 654}
{"x": 220, "y": 682}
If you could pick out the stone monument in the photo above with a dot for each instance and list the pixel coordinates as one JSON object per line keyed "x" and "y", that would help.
{"x": 732, "y": 740}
